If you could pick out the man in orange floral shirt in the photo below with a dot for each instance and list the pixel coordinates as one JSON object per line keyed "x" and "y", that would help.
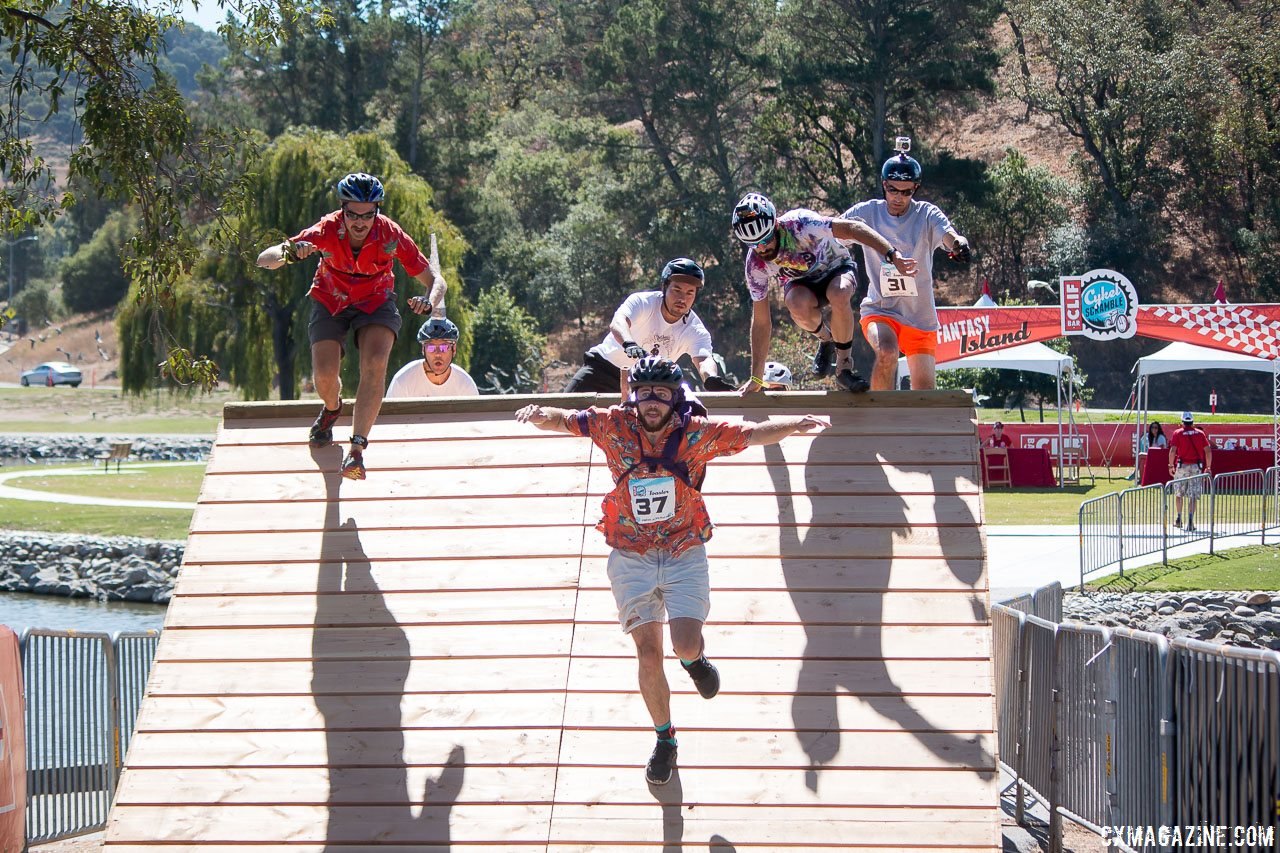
{"x": 656, "y": 522}
{"x": 353, "y": 291}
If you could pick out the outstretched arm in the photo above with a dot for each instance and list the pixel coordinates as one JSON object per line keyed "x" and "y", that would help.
{"x": 860, "y": 232}
{"x": 436, "y": 289}
{"x": 547, "y": 417}
{"x": 773, "y": 431}
{"x": 274, "y": 257}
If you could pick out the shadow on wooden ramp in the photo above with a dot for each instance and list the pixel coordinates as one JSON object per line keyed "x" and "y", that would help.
{"x": 430, "y": 660}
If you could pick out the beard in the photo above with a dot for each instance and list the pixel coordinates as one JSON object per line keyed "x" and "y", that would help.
{"x": 654, "y": 422}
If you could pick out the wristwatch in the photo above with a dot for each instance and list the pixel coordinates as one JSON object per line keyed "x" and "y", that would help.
{"x": 891, "y": 254}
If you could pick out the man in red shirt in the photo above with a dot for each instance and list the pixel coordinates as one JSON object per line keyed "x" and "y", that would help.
{"x": 997, "y": 437}
{"x": 353, "y": 291}
{"x": 657, "y": 524}
{"x": 1190, "y": 454}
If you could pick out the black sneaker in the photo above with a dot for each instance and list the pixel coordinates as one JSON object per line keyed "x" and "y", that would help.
{"x": 661, "y": 763}
{"x": 322, "y": 429}
{"x": 705, "y": 677}
{"x": 849, "y": 380}
{"x": 824, "y": 360}
{"x": 1177, "y": 522}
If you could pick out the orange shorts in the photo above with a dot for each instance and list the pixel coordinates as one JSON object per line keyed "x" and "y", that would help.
{"x": 911, "y": 341}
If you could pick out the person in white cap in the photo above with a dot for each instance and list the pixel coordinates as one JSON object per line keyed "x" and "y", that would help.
{"x": 1190, "y": 454}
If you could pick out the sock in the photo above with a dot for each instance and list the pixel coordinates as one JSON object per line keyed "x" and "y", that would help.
{"x": 688, "y": 663}
{"x": 666, "y": 732}
{"x": 844, "y": 354}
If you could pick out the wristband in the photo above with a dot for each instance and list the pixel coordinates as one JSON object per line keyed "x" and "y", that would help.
{"x": 757, "y": 381}
{"x": 891, "y": 254}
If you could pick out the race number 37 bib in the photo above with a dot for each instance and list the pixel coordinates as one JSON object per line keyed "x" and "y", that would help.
{"x": 653, "y": 499}
{"x": 894, "y": 284}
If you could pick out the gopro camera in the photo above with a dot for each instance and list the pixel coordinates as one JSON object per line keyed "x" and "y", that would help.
{"x": 902, "y": 144}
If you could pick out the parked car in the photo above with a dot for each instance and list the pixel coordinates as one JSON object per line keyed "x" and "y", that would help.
{"x": 52, "y": 373}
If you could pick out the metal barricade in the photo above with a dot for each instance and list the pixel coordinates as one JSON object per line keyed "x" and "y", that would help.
{"x": 1143, "y": 744}
{"x": 1022, "y": 603}
{"x": 1046, "y": 602}
{"x": 1270, "y": 501}
{"x": 1187, "y": 498}
{"x": 69, "y": 680}
{"x": 1006, "y": 628}
{"x": 1085, "y": 723}
{"x": 1100, "y": 534}
{"x": 135, "y": 652}
{"x": 1237, "y": 504}
{"x": 1227, "y": 731}
{"x": 1036, "y": 735}
{"x": 1142, "y": 522}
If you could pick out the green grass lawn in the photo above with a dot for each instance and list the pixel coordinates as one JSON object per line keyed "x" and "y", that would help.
{"x": 108, "y": 411}
{"x": 1248, "y": 568}
{"x": 1047, "y": 506}
{"x": 176, "y": 483}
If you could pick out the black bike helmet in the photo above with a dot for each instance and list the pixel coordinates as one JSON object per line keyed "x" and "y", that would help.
{"x": 900, "y": 167}
{"x": 437, "y": 329}
{"x": 681, "y": 266}
{"x": 360, "y": 187}
{"x": 656, "y": 370}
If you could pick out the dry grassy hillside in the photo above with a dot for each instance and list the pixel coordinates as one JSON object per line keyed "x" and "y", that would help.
{"x": 86, "y": 340}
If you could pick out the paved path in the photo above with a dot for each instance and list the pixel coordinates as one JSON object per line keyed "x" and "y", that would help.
{"x": 14, "y": 493}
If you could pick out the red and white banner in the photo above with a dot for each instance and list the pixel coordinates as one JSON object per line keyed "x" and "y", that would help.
{"x": 1096, "y": 442}
{"x": 1248, "y": 329}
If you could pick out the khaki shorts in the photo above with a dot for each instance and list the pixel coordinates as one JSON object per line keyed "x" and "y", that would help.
{"x": 655, "y": 587}
{"x": 1189, "y": 488}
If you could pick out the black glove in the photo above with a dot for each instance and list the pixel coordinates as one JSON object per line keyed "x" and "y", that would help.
{"x": 961, "y": 254}
{"x": 633, "y": 349}
{"x": 718, "y": 383}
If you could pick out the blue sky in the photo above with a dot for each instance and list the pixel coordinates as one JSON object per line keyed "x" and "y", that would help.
{"x": 209, "y": 15}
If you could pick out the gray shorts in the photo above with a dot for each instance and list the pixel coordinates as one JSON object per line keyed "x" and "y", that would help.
{"x": 655, "y": 586}
{"x": 334, "y": 327}
{"x": 1189, "y": 488}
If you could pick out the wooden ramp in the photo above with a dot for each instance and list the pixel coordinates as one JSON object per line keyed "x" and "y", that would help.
{"x": 430, "y": 659}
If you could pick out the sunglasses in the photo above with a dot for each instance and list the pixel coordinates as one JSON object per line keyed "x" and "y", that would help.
{"x": 347, "y": 213}
{"x": 888, "y": 190}
{"x": 437, "y": 347}
{"x": 655, "y": 392}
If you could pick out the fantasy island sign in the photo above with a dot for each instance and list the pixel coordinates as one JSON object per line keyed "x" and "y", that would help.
{"x": 1103, "y": 305}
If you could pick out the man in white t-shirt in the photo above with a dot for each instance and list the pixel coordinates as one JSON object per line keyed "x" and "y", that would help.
{"x": 652, "y": 323}
{"x": 898, "y": 313}
{"x": 435, "y": 374}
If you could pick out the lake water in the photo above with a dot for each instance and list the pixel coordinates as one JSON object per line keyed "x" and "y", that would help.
{"x": 21, "y": 610}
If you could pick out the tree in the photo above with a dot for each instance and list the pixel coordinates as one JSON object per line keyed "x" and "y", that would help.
{"x": 94, "y": 278}
{"x": 508, "y": 349}
{"x": 851, "y": 74}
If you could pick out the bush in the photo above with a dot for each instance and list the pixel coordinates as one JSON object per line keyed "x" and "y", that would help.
{"x": 507, "y": 353}
{"x": 94, "y": 278}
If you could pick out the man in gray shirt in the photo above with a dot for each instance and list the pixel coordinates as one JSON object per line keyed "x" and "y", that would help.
{"x": 898, "y": 313}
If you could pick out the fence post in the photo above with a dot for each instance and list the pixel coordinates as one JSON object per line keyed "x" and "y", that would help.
{"x": 1023, "y": 688}
{"x": 1167, "y": 732}
{"x": 1213, "y": 506}
{"x": 1164, "y": 526}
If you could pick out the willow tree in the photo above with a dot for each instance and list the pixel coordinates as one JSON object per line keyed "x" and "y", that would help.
{"x": 292, "y": 187}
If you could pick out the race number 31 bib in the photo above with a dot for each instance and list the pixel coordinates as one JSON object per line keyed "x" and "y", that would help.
{"x": 653, "y": 499}
{"x": 894, "y": 284}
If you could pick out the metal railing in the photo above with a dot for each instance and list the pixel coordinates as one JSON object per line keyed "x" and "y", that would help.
{"x": 1119, "y": 728}
{"x": 83, "y": 690}
{"x": 1149, "y": 519}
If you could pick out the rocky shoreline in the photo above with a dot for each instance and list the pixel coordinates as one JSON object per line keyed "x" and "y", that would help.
{"x": 1249, "y": 620}
{"x": 73, "y": 447}
{"x": 119, "y": 568}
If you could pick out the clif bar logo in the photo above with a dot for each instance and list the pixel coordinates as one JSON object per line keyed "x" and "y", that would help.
{"x": 1101, "y": 304}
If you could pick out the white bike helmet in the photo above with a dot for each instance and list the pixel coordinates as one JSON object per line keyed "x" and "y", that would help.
{"x": 753, "y": 219}
{"x": 777, "y": 374}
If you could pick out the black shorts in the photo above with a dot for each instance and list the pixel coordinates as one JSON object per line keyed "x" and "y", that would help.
{"x": 818, "y": 286}
{"x": 334, "y": 327}
{"x": 597, "y": 375}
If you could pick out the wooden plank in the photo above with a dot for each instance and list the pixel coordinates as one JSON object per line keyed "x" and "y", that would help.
{"x": 351, "y": 545}
{"x": 523, "y": 452}
{"x": 789, "y": 677}
{"x": 187, "y": 786}
{"x": 836, "y": 710}
{"x": 298, "y": 826}
{"x": 794, "y": 641}
{"x": 303, "y": 678}
{"x": 328, "y": 644}
{"x": 417, "y": 575}
{"x": 362, "y": 710}
{"x": 815, "y": 608}
{"x": 272, "y": 488}
{"x": 767, "y": 787}
{"x": 386, "y": 609}
{"x": 305, "y": 750}
{"x": 783, "y": 751}
{"x": 410, "y": 513}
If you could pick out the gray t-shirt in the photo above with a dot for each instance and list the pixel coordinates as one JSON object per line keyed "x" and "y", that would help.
{"x": 916, "y": 234}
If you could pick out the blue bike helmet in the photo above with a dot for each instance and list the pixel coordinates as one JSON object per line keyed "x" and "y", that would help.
{"x": 360, "y": 187}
